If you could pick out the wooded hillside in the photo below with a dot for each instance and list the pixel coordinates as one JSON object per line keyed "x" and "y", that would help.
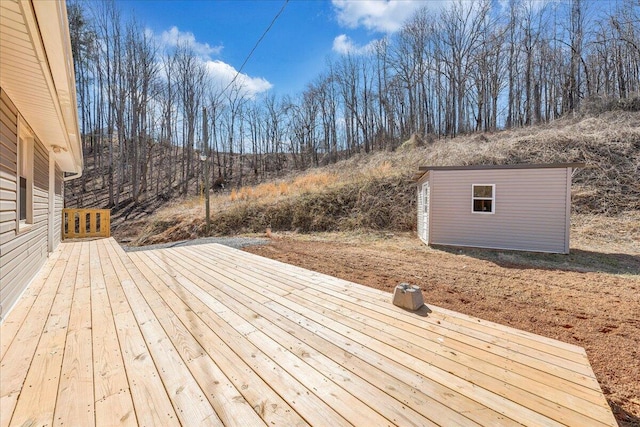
{"x": 476, "y": 66}
{"x": 375, "y": 192}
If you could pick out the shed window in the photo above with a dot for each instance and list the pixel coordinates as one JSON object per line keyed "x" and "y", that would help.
{"x": 483, "y": 198}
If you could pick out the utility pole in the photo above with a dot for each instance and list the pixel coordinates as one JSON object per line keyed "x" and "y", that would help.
{"x": 205, "y": 149}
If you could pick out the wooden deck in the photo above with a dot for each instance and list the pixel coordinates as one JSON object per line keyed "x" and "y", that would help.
{"x": 208, "y": 335}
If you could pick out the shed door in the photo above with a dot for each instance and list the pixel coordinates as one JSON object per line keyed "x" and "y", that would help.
{"x": 425, "y": 214}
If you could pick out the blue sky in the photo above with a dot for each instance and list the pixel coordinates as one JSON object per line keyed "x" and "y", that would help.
{"x": 296, "y": 48}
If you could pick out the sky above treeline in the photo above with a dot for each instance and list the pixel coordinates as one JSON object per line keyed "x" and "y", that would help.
{"x": 305, "y": 35}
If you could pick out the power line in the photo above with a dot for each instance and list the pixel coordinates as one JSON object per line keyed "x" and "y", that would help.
{"x": 273, "y": 21}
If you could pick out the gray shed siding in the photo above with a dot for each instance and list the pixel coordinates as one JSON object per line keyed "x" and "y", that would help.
{"x": 21, "y": 253}
{"x": 531, "y": 209}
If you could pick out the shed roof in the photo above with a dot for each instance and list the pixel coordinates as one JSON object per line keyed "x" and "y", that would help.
{"x": 424, "y": 169}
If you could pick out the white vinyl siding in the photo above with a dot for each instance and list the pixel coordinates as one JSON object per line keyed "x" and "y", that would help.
{"x": 8, "y": 167}
{"x": 420, "y": 205}
{"x": 532, "y": 213}
{"x": 22, "y": 253}
{"x": 58, "y": 205}
{"x": 24, "y": 177}
{"x": 423, "y": 208}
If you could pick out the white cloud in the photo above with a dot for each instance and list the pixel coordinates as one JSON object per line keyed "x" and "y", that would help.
{"x": 384, "y": 16}
{"x": 224, "y": 73}
{"x": 344, "y": 45}
{"x": 173, "y": 37}
{"x": 220, "y": 72}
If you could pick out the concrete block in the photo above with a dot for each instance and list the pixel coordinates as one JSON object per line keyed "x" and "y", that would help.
{"x": 408, "y": 296}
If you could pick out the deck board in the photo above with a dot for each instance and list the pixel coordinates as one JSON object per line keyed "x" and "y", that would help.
{"x": 336, "y": 347}
{"x": 379, "y": 299}
{"x": 437, "y": 328}
{"x": 221, "y": 394}
{"x": 499, "y": 363}
{"x": 20, "y": 338}
{"x": 300, "y": 398}
{"x": 12, "y": 325}
{"x": 113, "y": 402}
{"x": 75, "y": 401}
{"x": 208, "y": 335}
{"x": 37, "y": 398}
{"x": 240, "y": 385}
{"x": 186, "y": 396}
{"x": 152, "y": 404}
{"x": 245, "y": 309}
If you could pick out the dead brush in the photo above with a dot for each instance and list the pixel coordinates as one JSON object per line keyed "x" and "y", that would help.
{"x": 375, "y": 192}
{"x": 272, "y": 191}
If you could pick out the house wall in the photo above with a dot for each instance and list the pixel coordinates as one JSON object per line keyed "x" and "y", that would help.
{"x": 22, "y": 253}
{"x": 531, "y": 209}
{"x": 58, "y": 205}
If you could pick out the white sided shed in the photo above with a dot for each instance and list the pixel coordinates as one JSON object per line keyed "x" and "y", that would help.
{"x": 524, "y": 207}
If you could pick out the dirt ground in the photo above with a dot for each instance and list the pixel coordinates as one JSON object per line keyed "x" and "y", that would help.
{"x": 590, "y": 298}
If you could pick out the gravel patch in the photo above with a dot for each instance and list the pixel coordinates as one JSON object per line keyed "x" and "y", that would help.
{"x": 234, "y": 242}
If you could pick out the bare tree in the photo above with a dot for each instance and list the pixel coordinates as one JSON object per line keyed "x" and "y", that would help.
{"x": 466, "y": 68}
{"x": 191, "y": 83}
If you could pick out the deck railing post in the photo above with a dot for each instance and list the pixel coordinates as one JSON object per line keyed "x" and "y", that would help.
{"x": 92, "y": 222}
{"x": 83, "y": 222}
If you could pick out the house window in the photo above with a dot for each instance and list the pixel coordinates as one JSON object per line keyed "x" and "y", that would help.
{"x": 483, "y": 198}
{"x": 25, "y": 177}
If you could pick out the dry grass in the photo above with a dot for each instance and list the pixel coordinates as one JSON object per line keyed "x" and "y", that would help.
{"x": 619, "y": 234}
{"x": 375, "y": 191}
{"x": 273, "y": 191}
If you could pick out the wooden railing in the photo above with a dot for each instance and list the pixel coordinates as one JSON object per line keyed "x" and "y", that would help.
{"x": 80, "y": 223}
